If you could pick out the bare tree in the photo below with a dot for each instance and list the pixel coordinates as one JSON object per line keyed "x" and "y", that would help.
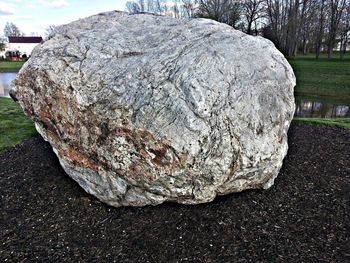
{"x": 2, "y": 43}
{"x": 300, "y": 19}
{"x": 189, "y": 8}
{"x": 320, "y": 29}
{"x": 134, "y": 7}
{"x": 50, "y": 30}
{"x": 308, "y": 26}
{"x": 252, "y": 10}
{"x": 11, "y": 30}
{"x": 336, "y": 9}
{"x": 224, "y": 11}
{"x": 344, "y": 29}
{"x": 288, "y": 23}
{"x": 160, "y": 7}
{"x": 277, "y": 29}
{"x": 175, "y": 10}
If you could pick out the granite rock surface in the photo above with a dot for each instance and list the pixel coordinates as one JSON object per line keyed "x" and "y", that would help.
{"x": 142, "y": 109}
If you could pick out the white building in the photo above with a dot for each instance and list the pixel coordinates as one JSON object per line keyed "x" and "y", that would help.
{"x": 24, "y": 45}
{"x": 337, "y": 48}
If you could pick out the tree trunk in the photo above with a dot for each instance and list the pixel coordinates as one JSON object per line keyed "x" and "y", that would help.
{"x": 249, "y": 29}
{"x": 320, "y": 31}
{"x": 341, "y": 48}
{"x": 330, "y": 47}
{"x": 337, "y": 8}
{"x": 304, "y": 46}
{"x": 344, "y": 43}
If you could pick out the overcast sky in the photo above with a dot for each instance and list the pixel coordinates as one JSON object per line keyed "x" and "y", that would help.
{"x": 36, "y": 15}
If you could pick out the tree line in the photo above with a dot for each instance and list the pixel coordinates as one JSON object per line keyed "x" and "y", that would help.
{"x": 294, "y": 26}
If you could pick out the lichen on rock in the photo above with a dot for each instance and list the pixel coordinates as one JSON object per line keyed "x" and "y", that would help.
{"x": 142, "y": 109}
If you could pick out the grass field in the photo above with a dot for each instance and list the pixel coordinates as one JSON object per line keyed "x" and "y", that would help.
{"x": 14, "y": 125}
{"x": 7, "y": 66}
{"x": 322, "y": 77}
{"x": 343, "y": 123}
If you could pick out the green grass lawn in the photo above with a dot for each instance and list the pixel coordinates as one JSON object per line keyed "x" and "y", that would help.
{"x": 14, "y": 125}
{"x": 8, "y": 66}
{"x": 322, "y": 77}
{"x": 339, "y": 122}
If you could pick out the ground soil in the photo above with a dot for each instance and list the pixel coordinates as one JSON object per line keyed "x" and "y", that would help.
{"x": 304, "y": 217}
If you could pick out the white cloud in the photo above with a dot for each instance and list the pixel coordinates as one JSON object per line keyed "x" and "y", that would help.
{"x": 53, "y": 3}
{"x": 7, "y": 8}
{"x": 30, "y": 5}
{"x": 23, "y": 17}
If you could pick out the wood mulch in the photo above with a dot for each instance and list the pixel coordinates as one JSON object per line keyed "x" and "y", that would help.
{"x": 304, "y": 217}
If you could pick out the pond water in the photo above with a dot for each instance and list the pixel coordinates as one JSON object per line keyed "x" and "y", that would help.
{"x": 320, "y": 107}
{"x": 309, "y": 107}
{"x": 5, "y": 82}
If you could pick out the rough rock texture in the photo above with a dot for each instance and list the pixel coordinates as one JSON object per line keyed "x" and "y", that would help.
{"x": 142, "y": 109}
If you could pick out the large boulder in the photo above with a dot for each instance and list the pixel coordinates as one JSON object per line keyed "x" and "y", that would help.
{"x": 142, "y": 109}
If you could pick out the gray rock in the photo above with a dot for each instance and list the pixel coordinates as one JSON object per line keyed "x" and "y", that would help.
{"x": 142, "y": 109}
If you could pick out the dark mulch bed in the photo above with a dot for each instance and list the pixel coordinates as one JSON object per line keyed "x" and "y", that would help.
{"x": 304, "y": 217}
